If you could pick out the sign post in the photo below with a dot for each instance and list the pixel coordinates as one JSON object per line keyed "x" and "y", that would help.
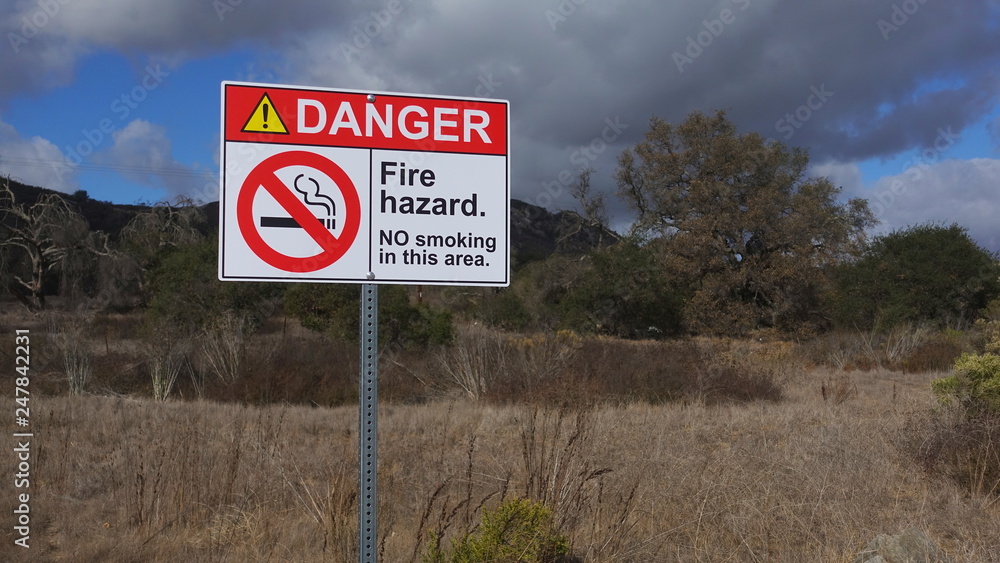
{"x": 341, "y": 186}
{"x": 368, "y": 427}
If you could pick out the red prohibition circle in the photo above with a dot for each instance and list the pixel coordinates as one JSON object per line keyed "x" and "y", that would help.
{"x": 263, "y": 176}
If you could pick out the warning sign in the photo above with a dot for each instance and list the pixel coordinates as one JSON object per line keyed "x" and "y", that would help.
{"x": 264, "y": 119}
{"x": 344, "y": 186}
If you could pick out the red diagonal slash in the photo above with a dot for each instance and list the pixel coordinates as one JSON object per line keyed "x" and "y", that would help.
{"x": 263, "y": 176}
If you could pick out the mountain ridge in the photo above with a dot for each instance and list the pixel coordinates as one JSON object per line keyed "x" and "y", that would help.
{"x": 536, "y": 232}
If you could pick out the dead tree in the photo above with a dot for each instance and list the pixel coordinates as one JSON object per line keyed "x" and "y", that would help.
{"x": 34, "y": 240}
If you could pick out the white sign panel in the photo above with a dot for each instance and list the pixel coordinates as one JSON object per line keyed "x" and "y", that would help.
{"x": 343, "y": 186}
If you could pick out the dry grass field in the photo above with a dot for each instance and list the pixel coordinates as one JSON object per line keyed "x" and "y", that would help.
{"x": 803, "y": 478}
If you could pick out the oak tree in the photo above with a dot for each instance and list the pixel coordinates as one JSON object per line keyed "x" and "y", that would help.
{"x": 736, "y": 222}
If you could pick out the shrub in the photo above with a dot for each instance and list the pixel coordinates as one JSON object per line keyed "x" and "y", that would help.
{"x": 937, "y": 355}
{"x": 74, "y": 347}
{"x": 964, "y": 441}
{"x": 430, "y": 326}
{"x": 963, "y": 450}
{"x": 166, "y": 350}
{"x": 987, "y": 328}
{"x": 295, "y": 370}
{"x": 740, "y": 371}
{"x": 908, "y": 347}
{"x": 187, "y": 293}
{"x": 223, "y": 345}
{"x": 335, "y": 309}
{"x": 622, "y": 293}
{"x": 519, "y": 530}
{"x": 538, "y": 359}
{"x": 505, "y": 310}
{"x": 532, "y": 302}
{"x": 476, "y": 360}
{"x": 487, "y": 364}
{"x": 975, "y": 384}
{"x": 330, "y": 308}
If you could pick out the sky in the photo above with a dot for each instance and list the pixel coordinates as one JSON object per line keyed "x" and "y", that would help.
{"x": 897, "y": 101}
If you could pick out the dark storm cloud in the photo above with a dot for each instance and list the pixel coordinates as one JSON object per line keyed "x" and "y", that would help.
{"x": 180, "y": 26}
{"x": 567, "y": 63}
{"x": 849, "y": 80}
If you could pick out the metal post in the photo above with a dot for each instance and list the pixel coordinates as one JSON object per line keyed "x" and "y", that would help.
{"x": 367, "y": 427}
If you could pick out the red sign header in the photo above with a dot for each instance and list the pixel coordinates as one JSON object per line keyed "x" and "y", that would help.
{"x": 266, "y": 114}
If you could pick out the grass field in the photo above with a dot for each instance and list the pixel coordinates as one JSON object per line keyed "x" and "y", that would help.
{"x": 813, "y": 476}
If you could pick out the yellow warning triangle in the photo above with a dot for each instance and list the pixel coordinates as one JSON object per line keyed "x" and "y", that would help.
{"x": 265, "y": 119}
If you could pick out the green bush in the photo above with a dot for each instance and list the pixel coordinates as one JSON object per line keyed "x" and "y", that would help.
{"x": 431, "y": 326}
{"x": 975, "y": 384}
{"x": 964, "y": 440}
{"x": 623, "y": 293}
{"x": 927, "y": 273}
{"x": 519, "y": 530}
{"x": 505, "y": 310}
{"x": 531, "y": 303}
{"x": 619, "y": 291}
{"x": 185, "y": 290}
{"x": 336, "y": 308}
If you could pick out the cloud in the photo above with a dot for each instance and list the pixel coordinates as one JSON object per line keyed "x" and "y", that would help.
{"x": 142, "y": 153}
{"x": 34, "y": 161}
{"x": 994, "y": 130}
{"x": 31, "y": 61}
{"x": 951, "y": 191}
{"x": 761, "y": 60}
{"x": 561, "y": 62}
{"x": 892, "y": 72}
{"x": 845, "y": 175}
{"x": 179, "y": 26}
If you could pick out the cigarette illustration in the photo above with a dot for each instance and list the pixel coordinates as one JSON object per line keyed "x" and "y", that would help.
{"x": 312, "y": 198}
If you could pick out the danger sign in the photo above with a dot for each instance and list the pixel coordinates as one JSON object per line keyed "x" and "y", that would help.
{"x": 345, "y": 186}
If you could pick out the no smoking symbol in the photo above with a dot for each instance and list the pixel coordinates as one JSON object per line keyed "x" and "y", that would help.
{"x": 332, "y": 247}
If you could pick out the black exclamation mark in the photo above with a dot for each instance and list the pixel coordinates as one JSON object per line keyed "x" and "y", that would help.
{"x": 265, "y": 115}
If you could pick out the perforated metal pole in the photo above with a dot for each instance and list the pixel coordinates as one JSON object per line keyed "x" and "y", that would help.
{"x": 367, "y": 427}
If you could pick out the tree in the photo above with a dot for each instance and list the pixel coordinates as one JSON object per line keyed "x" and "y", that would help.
{"x": 35, "y": 240}
{"x": 735, "y": 222}
{"x": 593, "y": 205}
{"x": 927, "y": 273}
{"x": 155, "y": 233}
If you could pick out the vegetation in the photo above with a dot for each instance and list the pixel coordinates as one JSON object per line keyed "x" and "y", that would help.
{"x": 517, "y": 530}
{"x": 734, "y": 221}
{"x": 730, "y": 238}
{"x": 741, "y": 376}
{"x": 37, "y": 241}
{"x": 335, "y": 310}
{"x": 926, "y": 273}
{"x": 185, "y": 290}
{"x": 127, "y": 479}
{"x": 623, "y": 292}
{"x": 975, "y": 384}
{"x": 963, "y": 442}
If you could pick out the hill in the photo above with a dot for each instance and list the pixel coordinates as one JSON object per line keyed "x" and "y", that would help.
{"x": 536, "y": 232}
{"x": 101, "y": 215}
